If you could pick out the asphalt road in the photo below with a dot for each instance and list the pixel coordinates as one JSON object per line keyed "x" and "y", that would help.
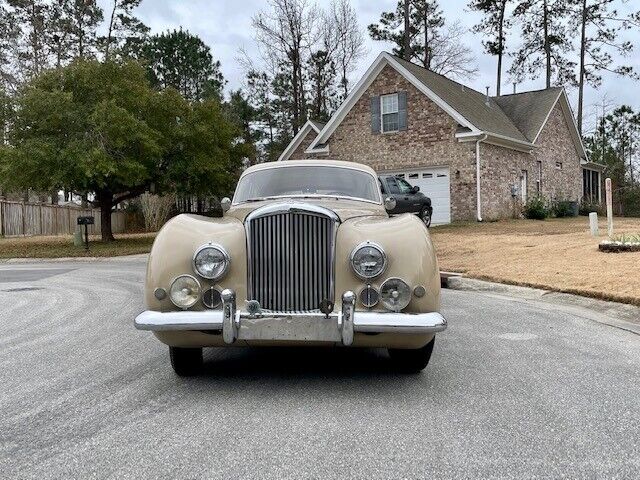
{"x": 513, "y": 390}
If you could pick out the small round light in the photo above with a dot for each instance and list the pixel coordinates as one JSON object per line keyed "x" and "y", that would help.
{"x": 369, "y": 296}
{"x": 211, "y": 298}
{"x": 419, "y": 291}
{"x": 185, "y": 291}
{"x": 160, "y": 293}
{"x": 368, "y": 260}
{"x": 395, "y": 294}
{"x": 211, "y": 261}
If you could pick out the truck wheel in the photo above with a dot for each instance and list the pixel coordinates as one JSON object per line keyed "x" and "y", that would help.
{"x": 411, "y": 360}
{"x": 186, "y": 362}
{"x": 425, "y": 216}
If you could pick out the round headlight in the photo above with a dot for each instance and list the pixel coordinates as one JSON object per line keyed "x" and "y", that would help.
{"x": 211, "y": 262}
{"x": 185, "y": 291}
{"x": 368, "y": 260}
{"x": 395, "y": 294}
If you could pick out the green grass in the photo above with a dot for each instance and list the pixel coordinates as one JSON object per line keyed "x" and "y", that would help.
{"x": 57, "y": 247}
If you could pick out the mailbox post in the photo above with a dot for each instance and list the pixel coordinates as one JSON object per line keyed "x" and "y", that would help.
{"x": 86, "y": 221}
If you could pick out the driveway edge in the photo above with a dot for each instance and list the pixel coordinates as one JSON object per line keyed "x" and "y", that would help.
{"x": 619, "y": 315}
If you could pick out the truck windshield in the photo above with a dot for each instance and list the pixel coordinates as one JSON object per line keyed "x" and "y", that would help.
{"x": 311, "y": 181}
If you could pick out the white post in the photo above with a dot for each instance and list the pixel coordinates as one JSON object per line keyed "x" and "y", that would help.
{"x": 607, "y": 184}
{"x": 593, "y": 223}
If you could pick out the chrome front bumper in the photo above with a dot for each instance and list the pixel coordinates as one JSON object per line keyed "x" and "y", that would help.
{"x": 340, "y": 327}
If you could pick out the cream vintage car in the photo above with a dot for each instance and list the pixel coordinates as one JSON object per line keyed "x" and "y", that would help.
{"x": 305, "y": 254}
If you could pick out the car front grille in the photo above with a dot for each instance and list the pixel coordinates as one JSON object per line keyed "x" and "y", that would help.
{"x": 290, "y": 258}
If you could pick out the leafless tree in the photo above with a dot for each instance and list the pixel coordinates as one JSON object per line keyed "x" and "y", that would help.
{"x": 450, "y": 56}
{"x": 349, "y": 40}
{"x": 285, "y": 33}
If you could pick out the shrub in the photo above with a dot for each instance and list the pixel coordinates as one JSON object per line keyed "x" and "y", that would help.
{"x": 535, "y": 209}
{"x": 563, "y": 208}
{"x": 156, "y": 210}
{"x": 587, "y": 206}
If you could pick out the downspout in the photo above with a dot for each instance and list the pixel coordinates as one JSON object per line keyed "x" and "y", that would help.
{"x": 478, "y": 176}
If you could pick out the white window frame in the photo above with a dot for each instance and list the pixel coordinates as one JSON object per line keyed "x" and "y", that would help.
{"x": 558, "y": 165}
{"x": 524, "y": 186}
{"x": 383, "y": 113}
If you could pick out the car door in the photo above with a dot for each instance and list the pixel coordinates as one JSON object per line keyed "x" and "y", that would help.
{"x": 412, "y": 200}
{"x": 393, "y": 190}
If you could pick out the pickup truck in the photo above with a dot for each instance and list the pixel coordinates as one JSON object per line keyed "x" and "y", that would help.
{"x": 408, "y": 197}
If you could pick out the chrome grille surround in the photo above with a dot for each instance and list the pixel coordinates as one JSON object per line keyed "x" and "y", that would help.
{"x": 291, "y": 256}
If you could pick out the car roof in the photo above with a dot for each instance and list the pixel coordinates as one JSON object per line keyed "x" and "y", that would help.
{"x": 306, "y": 163}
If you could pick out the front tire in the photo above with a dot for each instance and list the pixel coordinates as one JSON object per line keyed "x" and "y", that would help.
{"x": 425, "y": 216}
{"x": 411, "y": 360}
{"x": 186, "y": 362}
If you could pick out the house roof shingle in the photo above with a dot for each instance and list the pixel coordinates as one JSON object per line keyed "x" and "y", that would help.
{"x": 519, "y": 116}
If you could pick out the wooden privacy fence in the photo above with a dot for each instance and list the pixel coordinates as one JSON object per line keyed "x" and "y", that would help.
{"x": 25, "y": 219}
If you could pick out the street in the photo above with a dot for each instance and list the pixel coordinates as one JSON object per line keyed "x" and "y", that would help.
{"x": 513, "y": 390}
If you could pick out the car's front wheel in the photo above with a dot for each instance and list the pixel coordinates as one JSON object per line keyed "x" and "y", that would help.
{"x": 411, "y": 360}
{"x": 186, "y": 362}
{"x": 425, "y": 216}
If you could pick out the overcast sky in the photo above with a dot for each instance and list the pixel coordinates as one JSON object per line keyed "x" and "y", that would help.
{"x": 225, "y": 25}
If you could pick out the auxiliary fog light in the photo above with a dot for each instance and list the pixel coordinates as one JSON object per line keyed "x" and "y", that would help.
{"x": 395, "y": 294}
{"x": 185, "y": 291}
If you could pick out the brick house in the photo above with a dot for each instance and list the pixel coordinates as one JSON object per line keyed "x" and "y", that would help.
{"x": 476, "y": 156}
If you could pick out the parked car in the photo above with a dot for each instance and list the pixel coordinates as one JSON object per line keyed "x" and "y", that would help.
{"x": 306, "y": 254}
{"x": 408, "y": 198}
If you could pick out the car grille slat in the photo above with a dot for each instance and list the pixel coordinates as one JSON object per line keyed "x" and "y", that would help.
{"x": 291, "y": 260}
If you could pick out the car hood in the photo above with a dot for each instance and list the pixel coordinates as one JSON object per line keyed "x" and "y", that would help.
{"x": 344, "y": 208}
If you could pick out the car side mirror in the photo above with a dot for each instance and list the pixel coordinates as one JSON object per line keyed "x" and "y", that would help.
{"x": 389, "y": 203}
{"x": 416, "y": 189}
{"x": 225, "y": 203}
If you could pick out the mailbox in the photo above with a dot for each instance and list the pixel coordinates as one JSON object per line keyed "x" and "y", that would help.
{"x": 86, "y": 220}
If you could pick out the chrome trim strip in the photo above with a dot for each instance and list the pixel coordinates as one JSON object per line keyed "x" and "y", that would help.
{"x": 217, "y": 247}
{"x": 294, "y": 207}
{"x": 182, "y": 320}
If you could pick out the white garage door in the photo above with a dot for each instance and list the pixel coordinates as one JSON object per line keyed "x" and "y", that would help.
{"x": 434, "y": 182}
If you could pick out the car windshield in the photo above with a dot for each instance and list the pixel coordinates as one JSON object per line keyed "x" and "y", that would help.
{"x": 311, "y": 181}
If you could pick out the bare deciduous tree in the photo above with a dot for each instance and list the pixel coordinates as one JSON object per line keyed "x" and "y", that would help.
{"x": 156, "y": 210}
{"x": 285, "y": 34}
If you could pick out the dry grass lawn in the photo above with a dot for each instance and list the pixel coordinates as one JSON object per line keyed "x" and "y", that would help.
{"x": 57, "y": 247}
{"x": 557, "y": 254}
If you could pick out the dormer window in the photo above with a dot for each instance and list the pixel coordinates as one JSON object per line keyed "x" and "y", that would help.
{"x": 389, "y": 109}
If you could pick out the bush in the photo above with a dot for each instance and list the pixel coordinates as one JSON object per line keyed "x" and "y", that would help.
{"x": 586, "y": 207}
{"x": 535, "y": 209}
{"x": 156, "y": 210}
{"x": 563, "y": 208}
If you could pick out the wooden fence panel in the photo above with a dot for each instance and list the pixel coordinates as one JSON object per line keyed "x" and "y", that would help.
{"x": 31, "y": 219}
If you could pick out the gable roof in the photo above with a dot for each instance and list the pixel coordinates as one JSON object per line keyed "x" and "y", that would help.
{"x": 514, "y": 121}
{"x": 529, "y": 110}
{"x": 309, "y": 126}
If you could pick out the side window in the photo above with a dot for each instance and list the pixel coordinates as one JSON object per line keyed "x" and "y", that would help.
{"x": 393, "y": 185}
{"x": 404, "y": 186}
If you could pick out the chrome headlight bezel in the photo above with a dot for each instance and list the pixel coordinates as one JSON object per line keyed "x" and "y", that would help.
{"x": 406, "y": 299}
{"x": 375, "y": 246}
{"x": 197, "y": 297}
{"x": 219, "y": 248}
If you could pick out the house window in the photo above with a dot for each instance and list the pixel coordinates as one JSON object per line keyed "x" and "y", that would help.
{"x": 539, "y": 181}
{"x": 523, "y": 186}
{"x": 389, "y": 109}
{"x": 559, "y": 165}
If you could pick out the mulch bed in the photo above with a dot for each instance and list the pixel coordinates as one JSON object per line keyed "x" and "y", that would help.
{"x": 619, "y": 247}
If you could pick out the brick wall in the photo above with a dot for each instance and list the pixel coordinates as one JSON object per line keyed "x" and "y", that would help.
{"x": 428, "y": 141}
{"x": 298, "y": 153}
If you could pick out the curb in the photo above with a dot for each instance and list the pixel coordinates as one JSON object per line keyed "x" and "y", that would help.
{"x": 618, "y": 315}
{"x": 120, "y": 258}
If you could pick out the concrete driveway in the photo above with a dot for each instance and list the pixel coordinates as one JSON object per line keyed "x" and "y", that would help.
{"x": 514, "y": 389}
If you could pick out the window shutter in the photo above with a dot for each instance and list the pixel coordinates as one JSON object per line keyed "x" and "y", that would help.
{"x": 402, "y": 110}
{"x": 375, "y": 114}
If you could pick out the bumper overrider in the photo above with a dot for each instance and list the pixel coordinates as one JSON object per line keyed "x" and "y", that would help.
{"x": 293, "y": 326}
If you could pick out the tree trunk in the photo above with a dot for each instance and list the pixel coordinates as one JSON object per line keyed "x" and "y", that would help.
{"x": 427, "y": 53}
{"x": 583, "y": 48}
{"x": 547, "y": 46}
{"x": 406, "y": 34}
{"x": 500, "y": 47}
{"x": 105, "y": 201}
{"x": 109, "y": 35}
